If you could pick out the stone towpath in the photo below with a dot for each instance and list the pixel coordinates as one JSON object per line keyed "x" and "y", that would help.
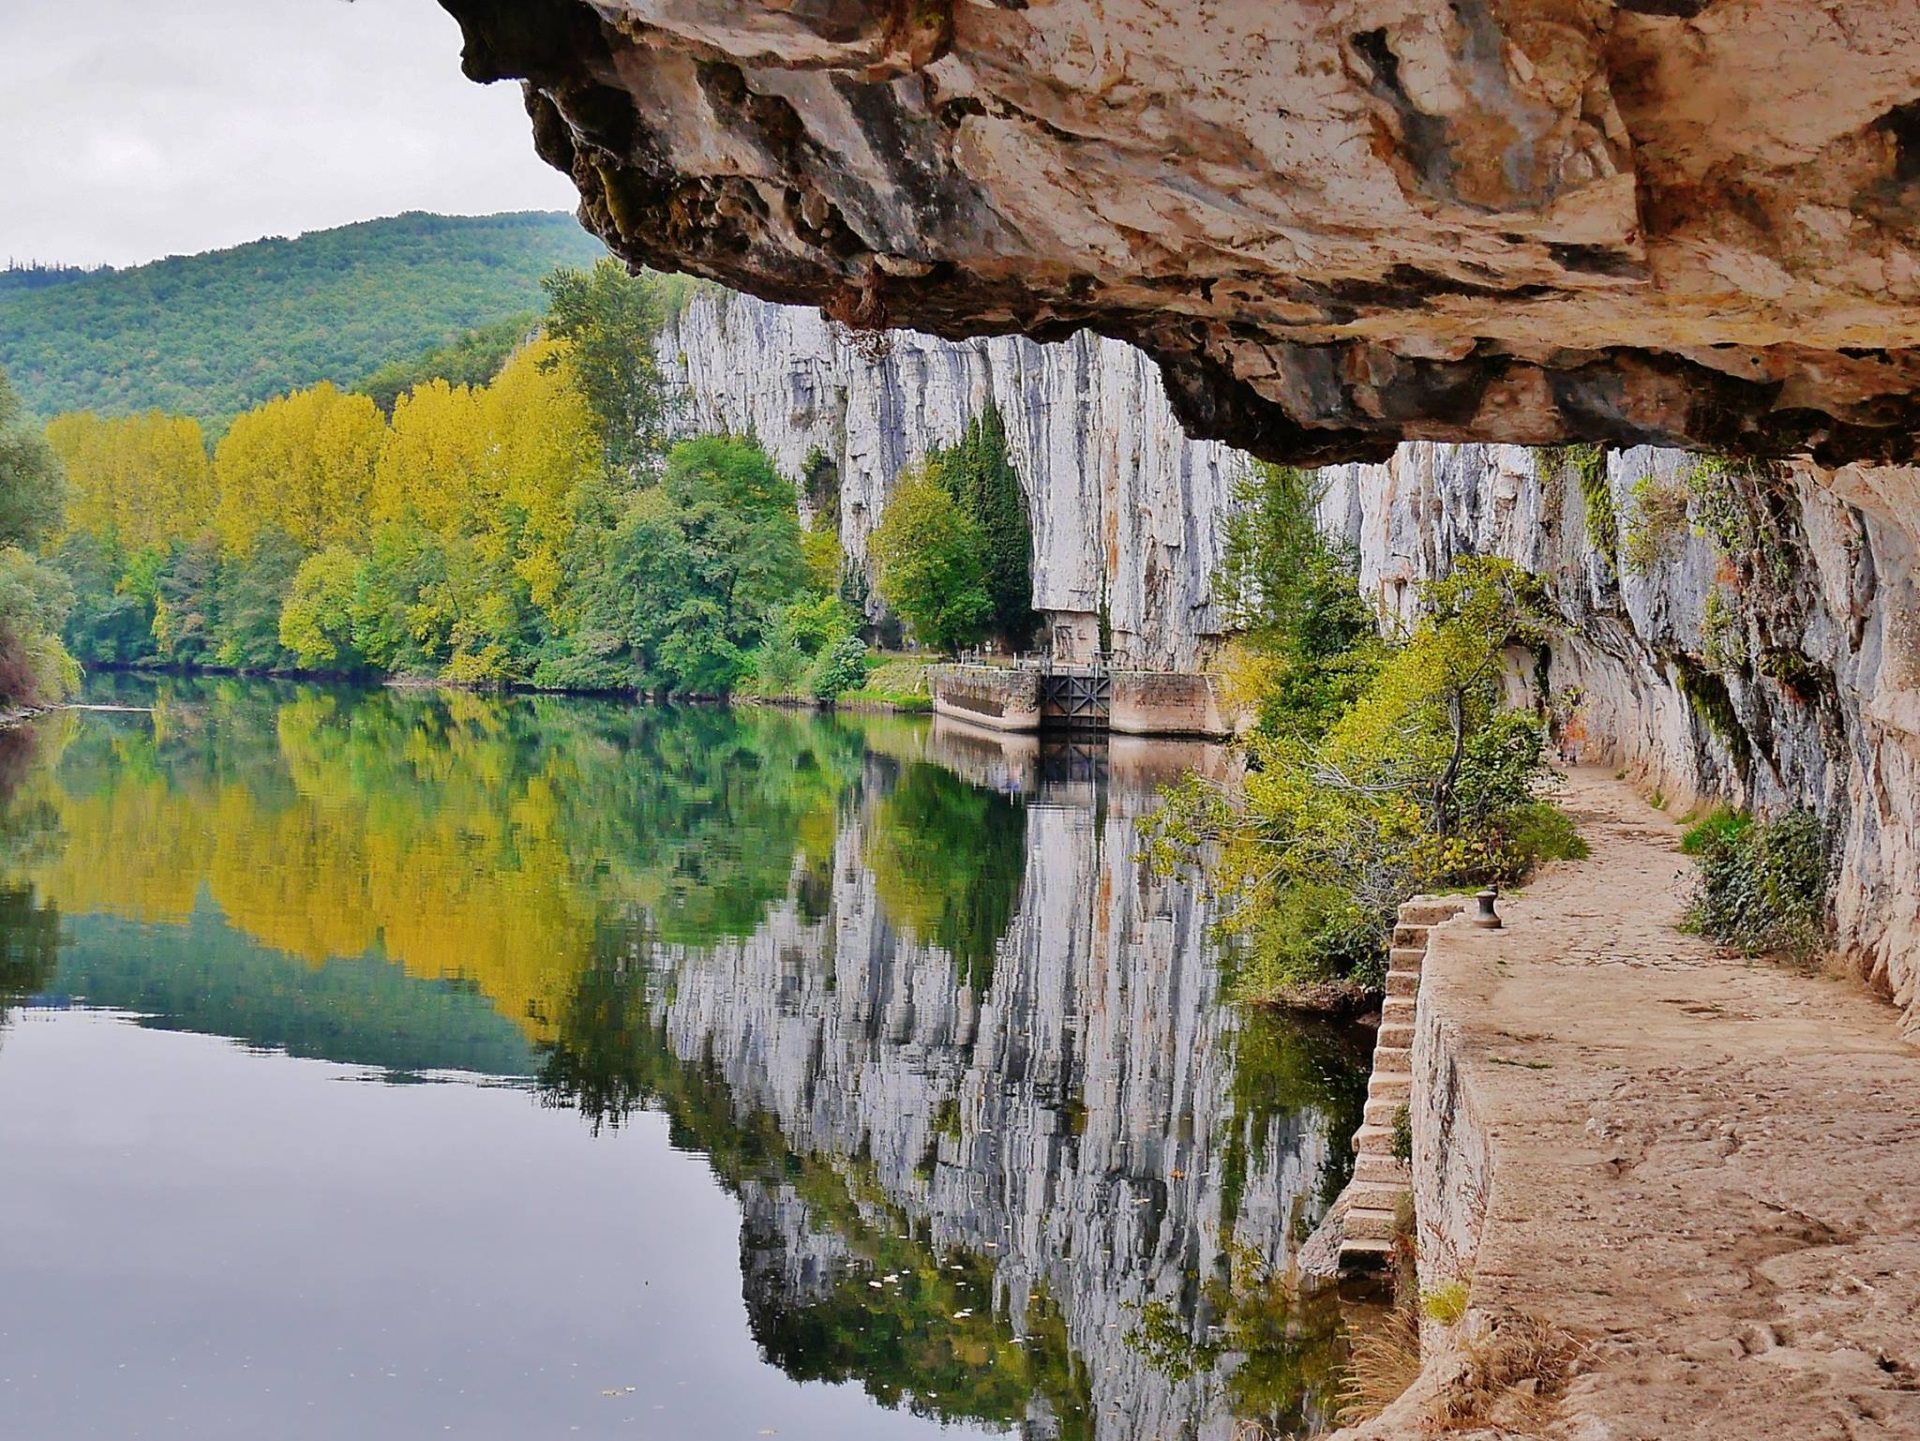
{"x": 1707, "y": 1167}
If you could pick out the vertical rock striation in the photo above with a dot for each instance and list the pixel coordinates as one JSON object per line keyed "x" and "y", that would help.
{"x": 1127, "y": 511}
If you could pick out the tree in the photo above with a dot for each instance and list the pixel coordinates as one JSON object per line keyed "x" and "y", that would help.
{"x": 1423, "y": 781}
{"x": 34, "y": 665}
{"x": 303, "y": 465}
{"x": 932, "y": 563}
{"x": 138, "y": 481}
{"x": 1307, "y": 640}
{"x": 317, "y": 621}
{"x": 610, "y": 320}
{"x": 700, "y": 565}
{"x": 31, "y": 489}
{"x": 977, "y": 471}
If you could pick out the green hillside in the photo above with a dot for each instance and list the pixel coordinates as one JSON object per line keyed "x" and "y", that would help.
{"x": 212, "y": 335}
{"x": 207, "y": 977}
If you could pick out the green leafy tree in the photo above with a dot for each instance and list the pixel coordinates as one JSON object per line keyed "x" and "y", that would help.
{"x": 317, "y": 621}
{"x": 933, "y": 564}
{"x": 685, "y": 588}
{"x": 34, "y": 599}
{"x": 32, "y": 491}
{"x": 610, "y": 320}
{"x": 977, "y": 471}
{"x": 1308, "y": 641}
{"x": 1425, "y": 781}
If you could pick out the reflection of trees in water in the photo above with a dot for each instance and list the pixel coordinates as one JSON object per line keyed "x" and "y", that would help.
{"x": 604, "y": 1060}
{"x": 948, "y": 859}
{"x": 29, "y": 946}
{"x": 29, "y": 928}
{"x": 457, "y": 834}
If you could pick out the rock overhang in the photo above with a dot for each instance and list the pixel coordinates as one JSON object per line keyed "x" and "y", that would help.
{"x": 1337, "y": 224}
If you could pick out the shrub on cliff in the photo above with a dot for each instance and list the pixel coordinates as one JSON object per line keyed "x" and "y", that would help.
{"x": 1762, "y": 885}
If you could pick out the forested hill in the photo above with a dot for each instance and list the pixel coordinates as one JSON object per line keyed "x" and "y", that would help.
{"x": 212, "y": 335}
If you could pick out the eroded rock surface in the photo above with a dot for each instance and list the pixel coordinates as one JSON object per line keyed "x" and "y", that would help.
{"x": 1336, "y": 223}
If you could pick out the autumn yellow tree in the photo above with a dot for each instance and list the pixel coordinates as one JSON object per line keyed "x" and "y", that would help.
{"x": 303, "y": 464}
{"x": 543, "y": 452}
{"x": 141, "y": 481}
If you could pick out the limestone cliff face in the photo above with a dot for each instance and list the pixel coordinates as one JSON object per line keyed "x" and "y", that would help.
{"x": 1127, "y": 511}
{"x": 1754, "y": 639}
{"x": 1336, "y": 223}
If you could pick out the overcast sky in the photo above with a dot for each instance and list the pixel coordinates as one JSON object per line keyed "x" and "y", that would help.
{"x": 132, "y": 129}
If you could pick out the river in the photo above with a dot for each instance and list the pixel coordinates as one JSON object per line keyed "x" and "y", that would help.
{"x": 405, "y": 1063}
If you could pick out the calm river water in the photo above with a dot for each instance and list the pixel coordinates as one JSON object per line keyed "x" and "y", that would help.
{"x": 393, "y": 1064}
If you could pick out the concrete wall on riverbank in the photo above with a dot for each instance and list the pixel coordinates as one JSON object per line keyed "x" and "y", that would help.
{"x": 1169, "y": 703}
{"x": 1001, "y": 698}
{"x": 1141, "y": 703}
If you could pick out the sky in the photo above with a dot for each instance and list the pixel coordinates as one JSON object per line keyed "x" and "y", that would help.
{"x": 133, "y": 129}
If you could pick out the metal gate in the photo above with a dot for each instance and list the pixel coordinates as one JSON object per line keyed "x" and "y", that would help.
{"x": 1076, "y": 696}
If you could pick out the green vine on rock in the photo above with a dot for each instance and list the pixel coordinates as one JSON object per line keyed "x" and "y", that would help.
{"x": 1587, "y": 462}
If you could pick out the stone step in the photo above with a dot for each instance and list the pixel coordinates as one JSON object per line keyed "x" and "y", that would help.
{"x": 1399, "y": 1008}
{"x": 1388, "y": 1086}
{"x": 1375, "y": 1196}
{"x": 1381, "y": 1112}
{"x": 1399, "y": 955}
{"x": 1411, "y": 938}
{"x": 1371, "y": 1223}
{"x": 1358, "y": 1255}
{"x": 1374, "y": 1141}
{"x": 1431, "y": 912}
{"x": 1403, "y": 983}
{"x": 1396, "y": 1035}
{"x": 1394, "y": 1060}
{"x": 1381, "y": 1171}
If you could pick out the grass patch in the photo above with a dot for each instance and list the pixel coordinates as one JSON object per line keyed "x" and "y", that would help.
{"x": 1512, "y": 1375}
{"x": 901, "y": 684}
{"x": 1541, "y": 831}
{"x": 1403, "y": 1136}
{"x": 1385, "y": 1360}
{"x": 1445, "y": 1304}
{"x": 1718, "y": 827}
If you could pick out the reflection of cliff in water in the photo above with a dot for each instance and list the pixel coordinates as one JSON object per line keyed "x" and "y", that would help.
{"x": 1060, "y": 1125}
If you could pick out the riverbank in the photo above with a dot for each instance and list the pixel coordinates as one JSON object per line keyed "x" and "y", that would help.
{"x": 895, "y": 696}
{"x": 1693, "y": 1174}
{"x": 19, "y": 715}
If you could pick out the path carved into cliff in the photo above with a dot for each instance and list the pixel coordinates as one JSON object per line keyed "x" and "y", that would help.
{"x": 1705, "y": 1168}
